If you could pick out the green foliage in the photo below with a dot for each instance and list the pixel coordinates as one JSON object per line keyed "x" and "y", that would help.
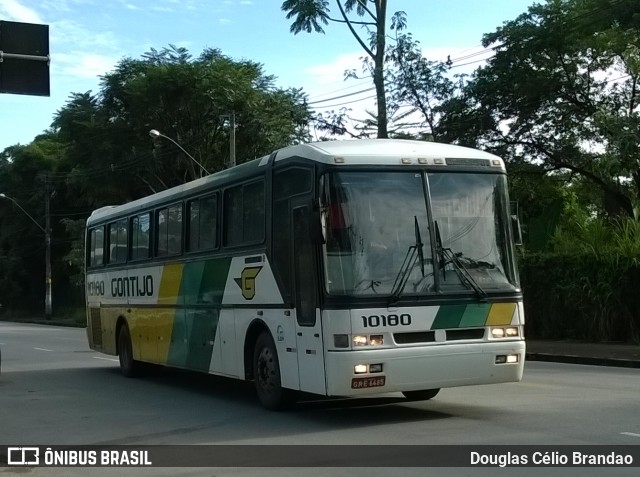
{"x": 561, "y": 92}
{"x": 98, "y": 152}
{"x": 585, "y": 286}
{"x": 185, "y": 99}
{"x": 74, "y": 258}
{"x": 583, "y": 295}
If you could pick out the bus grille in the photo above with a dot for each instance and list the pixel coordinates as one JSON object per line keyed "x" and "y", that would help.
{"x": 96, "y": 326}
{"x": 468, "y": 334}
{"x": 430, "y": 336}
{"x": 417, "y": 337}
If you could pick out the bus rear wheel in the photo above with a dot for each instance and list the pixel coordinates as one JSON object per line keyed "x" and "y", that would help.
{"x": 266, "y": 374}
{"x": 129, "y": 366}
{"x": 423, "y": 395}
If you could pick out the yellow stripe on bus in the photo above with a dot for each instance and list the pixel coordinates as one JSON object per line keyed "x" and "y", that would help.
{"x": 501, "y": 314}
{"x": 170, "y": 284}
{"x": 168, "y": 294}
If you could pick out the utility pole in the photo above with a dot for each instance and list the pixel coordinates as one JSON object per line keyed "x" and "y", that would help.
{"x": 48, "y": 307}
{"x": 232, "y": 139}
{"x": 231, "y": 117}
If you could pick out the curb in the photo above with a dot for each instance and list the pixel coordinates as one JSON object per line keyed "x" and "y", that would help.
{"x": 573, "y": 359}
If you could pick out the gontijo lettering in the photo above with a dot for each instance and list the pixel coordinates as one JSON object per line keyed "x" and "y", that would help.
{"x": 132, "y": 286}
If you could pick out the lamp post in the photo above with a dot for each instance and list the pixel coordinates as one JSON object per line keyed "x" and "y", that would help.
{"x": 47, "y": 239}
{"x": 154, "y": 133}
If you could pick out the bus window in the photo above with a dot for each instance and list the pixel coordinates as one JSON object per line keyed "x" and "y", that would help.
{"x": 96, "y": 247}
{"x": 203, "y": 223}
{"x": 117, "y": 232}
{"x": 169, "y": 230}
{"x": 140, "y": 237}
{"x": 244, "y": 214}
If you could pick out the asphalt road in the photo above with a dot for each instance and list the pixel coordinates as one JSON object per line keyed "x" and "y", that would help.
{"x": 55, "y": 391}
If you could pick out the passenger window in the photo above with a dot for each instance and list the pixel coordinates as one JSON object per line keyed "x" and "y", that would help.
{"x": 117, "y": 241}
{"x": 140, "y": 237}
{"x": 244, "y": 214}
{"x": 203, "y": 223}
{"x": 169, "y": 231}
{"x": 96, "y": 247}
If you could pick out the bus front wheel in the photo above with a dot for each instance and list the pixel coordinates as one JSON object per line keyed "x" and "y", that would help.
{"x": 266, "y": 374}
{"x": 423, "y": 395}
{"x": 129, "y": 366}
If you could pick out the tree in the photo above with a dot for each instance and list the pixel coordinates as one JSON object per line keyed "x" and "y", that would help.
{"x": 310, "y": 15}
{"x": 562, "y": 92}
{"x": 98, "y": 152}
{"x": 184, "y": 98}
{"x": 419, "y": 89}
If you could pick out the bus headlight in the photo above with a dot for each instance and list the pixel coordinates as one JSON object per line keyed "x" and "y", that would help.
{"x": 505, "y": 332}
{"x": 512, "y": 332}
{"x": 368, "y": 340}
{"x": 507, "y": 358}
{"x": 360, "y": 340}
{"x": 360, "y": 369}
{"x": 376, "y": 340}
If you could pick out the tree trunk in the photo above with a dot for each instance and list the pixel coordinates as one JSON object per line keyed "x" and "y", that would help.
{"x": 378, "y": 72}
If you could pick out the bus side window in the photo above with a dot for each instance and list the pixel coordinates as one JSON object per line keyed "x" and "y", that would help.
{"x": 203, "y": 223}
{"x": 117, "y": 234}
{"x": 169, "y": 231}
{"x": 140, "y": 237}
{"x": 96, "y": 247}
{"x": 244, "y": 213}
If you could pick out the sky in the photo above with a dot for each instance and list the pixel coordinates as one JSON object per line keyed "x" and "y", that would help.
{"x": 88, "y": 37}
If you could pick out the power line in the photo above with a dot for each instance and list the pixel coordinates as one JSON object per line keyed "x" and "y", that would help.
{"x": 342, "y": 96}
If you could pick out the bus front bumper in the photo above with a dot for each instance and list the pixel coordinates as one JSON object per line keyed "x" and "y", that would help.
{"x": 425, "y": 367}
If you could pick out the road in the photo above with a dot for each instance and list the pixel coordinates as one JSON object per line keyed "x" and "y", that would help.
{"x": 55, "y": 391}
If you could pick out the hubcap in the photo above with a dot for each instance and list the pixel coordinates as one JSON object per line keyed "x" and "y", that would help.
{"x": 266, "y": 370}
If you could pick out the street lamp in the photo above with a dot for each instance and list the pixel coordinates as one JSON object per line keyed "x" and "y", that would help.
{"x": 154, "y": 133}
{"x": 47, "y": 239}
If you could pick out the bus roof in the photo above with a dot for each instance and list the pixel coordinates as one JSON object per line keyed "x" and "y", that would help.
{"x": 347, "y": 152}
{"x": 380, "y": 151}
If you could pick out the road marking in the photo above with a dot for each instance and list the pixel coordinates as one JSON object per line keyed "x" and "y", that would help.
{"x": 43, "y": 349}
{"x": 632, "y": 434}
{"x": 106, "y": 359}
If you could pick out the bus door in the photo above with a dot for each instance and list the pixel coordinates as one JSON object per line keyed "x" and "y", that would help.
{"x": 308, "y": 324}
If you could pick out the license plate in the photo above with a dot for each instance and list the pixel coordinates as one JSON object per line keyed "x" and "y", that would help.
{"x": 370, "y": 382}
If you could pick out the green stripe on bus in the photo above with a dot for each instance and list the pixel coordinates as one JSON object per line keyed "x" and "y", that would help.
{"x": 214, "y": 280}
{"x": 448, "y": 316}
{"x": 194, "y": 331}
{"x": 475, "y": 315}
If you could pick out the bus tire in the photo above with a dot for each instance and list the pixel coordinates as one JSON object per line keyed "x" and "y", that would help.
{"x": 129, "y": 366}
{"x": 266, "y": 375}
{"x": 423, "y": 395}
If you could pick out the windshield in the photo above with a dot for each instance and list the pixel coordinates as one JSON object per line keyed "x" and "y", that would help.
{"x": 470, "y": 211}
{"x": 378, "y": 234}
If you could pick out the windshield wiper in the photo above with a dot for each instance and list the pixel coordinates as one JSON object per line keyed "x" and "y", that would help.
{"x": 414, "y": 252}
{"x": 446, "y": 255}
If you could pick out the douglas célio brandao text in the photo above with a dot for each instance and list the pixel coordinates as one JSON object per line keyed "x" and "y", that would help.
{"x": 550, "y": 458}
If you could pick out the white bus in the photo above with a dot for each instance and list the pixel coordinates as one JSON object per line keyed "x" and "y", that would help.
{"x": 343, "y": 268}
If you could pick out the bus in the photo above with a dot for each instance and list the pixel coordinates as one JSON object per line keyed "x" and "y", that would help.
{"x": 339, "y": 268}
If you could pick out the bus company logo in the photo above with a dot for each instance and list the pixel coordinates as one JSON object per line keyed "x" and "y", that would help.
{"x": 247, "y": 282}
{"x": 23, "y": 455}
